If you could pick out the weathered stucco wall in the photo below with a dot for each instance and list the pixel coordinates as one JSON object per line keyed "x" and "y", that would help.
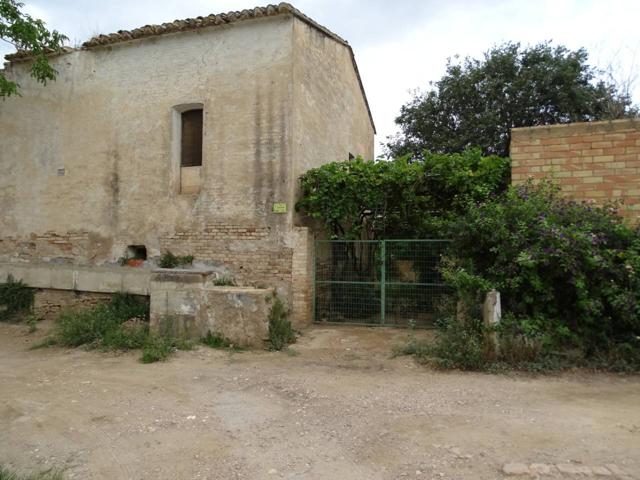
{"x": 597, "y": 161}
{"x": 107, "y": 121}
{"x": 330, "y": 114}
{"x": 90, "y": 163}
{"x": 330, "y": 120}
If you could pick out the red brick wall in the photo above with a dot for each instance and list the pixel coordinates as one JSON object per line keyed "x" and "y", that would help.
{"x": 597, "y": 161}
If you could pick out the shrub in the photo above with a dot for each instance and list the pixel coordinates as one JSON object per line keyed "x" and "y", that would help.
{"x": 15, "y": 298}
{"x": 127, "y": 306}
{"x": 568, "y": 272}
{"x": 460, "y": 344}
{"x": 121, "y": 324}
{"x": 460, "y": 341}
{"x": 104, "y": 325}
{"x": 569, "y": 277}
{"x": 169, "y": 260}
{"x": 281, "y": 332}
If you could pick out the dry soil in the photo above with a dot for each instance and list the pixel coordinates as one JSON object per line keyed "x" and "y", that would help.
{"x": 341, "y": 408}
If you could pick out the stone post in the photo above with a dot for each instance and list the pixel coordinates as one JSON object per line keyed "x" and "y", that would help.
{"x": 491, "y": 316}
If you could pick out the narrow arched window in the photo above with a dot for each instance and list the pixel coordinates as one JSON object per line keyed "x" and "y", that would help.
{"x": 191, "y": 138}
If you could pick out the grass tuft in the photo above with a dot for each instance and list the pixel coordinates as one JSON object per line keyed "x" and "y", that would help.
{"x": 32, "y": 323}
{"x": 224, "y": 282}
{"x": 169, "y": 260}
{"x": 219, "y": 342}
{"x": 156, "y": 349}
{"x": 10, "y": 474}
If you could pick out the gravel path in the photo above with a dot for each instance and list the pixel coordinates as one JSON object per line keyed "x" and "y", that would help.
{"x": 339, "y": 409}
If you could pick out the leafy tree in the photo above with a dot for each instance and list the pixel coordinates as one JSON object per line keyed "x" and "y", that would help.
{"x": 356, "y": 199}
{"x": 477, "y": 102}
{"x": 399, "y": 198}
{"x": 28, "y": 35}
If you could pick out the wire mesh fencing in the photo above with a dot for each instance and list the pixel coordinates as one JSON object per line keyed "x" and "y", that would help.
{"x": 378, "y": 282}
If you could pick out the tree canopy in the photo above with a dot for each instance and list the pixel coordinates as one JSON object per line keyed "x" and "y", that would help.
{"x": 477, "y": 102}
{"x": 399, "y": 198}
{"x": 28, "y": 34}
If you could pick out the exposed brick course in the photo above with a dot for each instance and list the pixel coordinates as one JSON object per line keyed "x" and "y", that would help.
{"x": 244, "y": 249}
{"x": 597, "y": 161}
{"x": 255, "y": 259}
{"x": 48, "y": 303}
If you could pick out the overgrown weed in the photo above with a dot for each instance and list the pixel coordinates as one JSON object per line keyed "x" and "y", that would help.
{"x": 219, "y": 342}
{"x": 49, "y": 474}
{"x": 281, "y": 332}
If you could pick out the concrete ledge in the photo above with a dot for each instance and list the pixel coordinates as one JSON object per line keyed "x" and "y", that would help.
{"x": 577, "y": 128}
{"x": 180, "y": 275}
{"x": 185, "y": 299}
{"x": 85, "y": 279}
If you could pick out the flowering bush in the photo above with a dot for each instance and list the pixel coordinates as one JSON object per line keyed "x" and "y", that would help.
{"x": 568, "y": 272}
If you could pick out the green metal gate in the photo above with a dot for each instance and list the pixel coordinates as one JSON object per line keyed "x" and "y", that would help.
{"x": 378, "y": 282}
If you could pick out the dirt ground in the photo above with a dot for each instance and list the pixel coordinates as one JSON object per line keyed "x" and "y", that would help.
{"x": 341, "y": 408}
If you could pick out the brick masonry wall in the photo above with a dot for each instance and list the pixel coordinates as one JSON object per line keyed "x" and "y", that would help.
{"x": 253, "y": 254}
{"x": 245, "y": 250}
{"x": 255, "y": 259}
{"x": 48, "y": 303}
{"x": 301, "y": 278}
{"x": 597, "y": 161}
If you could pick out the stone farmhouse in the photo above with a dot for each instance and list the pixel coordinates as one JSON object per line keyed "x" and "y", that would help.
{"x": 186, "y": 137}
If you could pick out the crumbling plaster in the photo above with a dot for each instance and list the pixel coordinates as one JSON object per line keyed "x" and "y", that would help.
{"x": 88, "y": 163}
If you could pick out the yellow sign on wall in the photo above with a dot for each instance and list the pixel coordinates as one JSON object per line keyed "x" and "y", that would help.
{"x": 279, "y": 208}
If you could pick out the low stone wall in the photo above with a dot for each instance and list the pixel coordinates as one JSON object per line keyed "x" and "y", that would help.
{"x": 246, "y": 252}
{"x": 188, "y": 304}
{"x": 186, "y": 301}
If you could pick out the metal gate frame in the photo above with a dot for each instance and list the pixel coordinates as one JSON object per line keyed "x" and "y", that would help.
{"x": 384, "y": 281}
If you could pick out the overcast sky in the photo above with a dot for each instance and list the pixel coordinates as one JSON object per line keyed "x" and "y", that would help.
{"x": 399, "y": 45}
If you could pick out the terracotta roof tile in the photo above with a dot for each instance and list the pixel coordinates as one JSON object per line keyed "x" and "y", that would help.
{"x": 203, "y": 22}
